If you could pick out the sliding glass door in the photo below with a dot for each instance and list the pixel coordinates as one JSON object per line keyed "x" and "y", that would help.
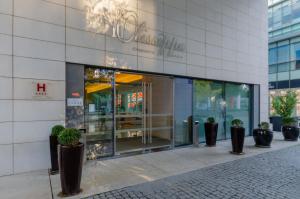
{"x": 144, "y": 112}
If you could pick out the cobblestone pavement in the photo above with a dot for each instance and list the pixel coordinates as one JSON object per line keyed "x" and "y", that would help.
{"x": 273, "y": 175}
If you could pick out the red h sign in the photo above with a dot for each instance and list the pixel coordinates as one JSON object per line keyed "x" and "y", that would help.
{"x": 41, "y": 87}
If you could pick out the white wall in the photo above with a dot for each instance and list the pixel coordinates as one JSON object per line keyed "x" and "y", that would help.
{"x": 224, "y": 40}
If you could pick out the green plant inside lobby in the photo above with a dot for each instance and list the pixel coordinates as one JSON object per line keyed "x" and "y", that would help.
{"x": 55, "y": 131}
{"x": 237, "y": 136}
{"x": 211, "y": 131}
{"x": 263, "y": 136}
{"x": 70, "y": 161}
{"x": 284, "y": 106}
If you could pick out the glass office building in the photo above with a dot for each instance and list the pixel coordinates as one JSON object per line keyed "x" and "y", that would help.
{"x": 284, "y": 48}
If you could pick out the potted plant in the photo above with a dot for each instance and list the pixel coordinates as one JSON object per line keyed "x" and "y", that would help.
{"x": 290, "y": 130}
{"x": 284, "y": 106}
{"x": 70, "y": 161}
{"x": 211, "y": 131}
{"x": 263, "y": 136}
{"x": 237, "y": 136}
{"x": 55, "y": 131}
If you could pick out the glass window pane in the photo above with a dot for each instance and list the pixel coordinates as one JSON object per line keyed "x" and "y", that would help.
{"x": 237, "y": 97}
{"x": 99, "y": 112}
{"x": 208, "y": 102}
{"x": 283, "y": 54}
{"x": 272, "y": 56}
{"x": 286, "y": 12}
{"x": 277, "y": 18}
{"x": 273, "y": 77}
{"x": 273, "y": 69}
{"x": 295, "y": 51}
{"x": 183, "y": 111}
{"x": 295, "y": 74}
{"x": 283, "y": 76}
{"x": 283, "y": 67}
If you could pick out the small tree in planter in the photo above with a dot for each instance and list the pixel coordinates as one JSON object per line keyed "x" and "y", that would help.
{"x": 70, "y": 161}
{"x": 56, "y": 130}
{"x": 211, "y": 131}
{"x": 263, "y": 136}
{"x": 237, "y": 136}
{"x": 284, "y": 106}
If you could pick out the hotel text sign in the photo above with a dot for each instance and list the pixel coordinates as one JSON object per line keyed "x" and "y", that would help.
{"x": 113, "y": 17}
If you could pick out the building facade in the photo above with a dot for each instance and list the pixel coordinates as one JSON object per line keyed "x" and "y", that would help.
{"x": 135, "y": 75}
{"x": 284, "y": 48}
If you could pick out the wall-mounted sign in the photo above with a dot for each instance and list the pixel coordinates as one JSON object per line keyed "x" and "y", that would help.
{"x": 113, "y": 17}
{"x": 40, "y": 89}
{"x": 71, "y": 102}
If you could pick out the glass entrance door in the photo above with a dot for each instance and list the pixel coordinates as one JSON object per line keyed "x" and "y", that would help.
{"x": 129, "y": 112}
{"x": 143, "y": 112}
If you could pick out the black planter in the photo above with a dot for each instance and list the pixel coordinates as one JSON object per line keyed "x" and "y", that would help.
{"x": 211, "y": 132}
{"x": 237, "y": 140}
{"x": 290, "y": 133}
{"x": 70, "y": 166}
{"x": 262, "y": 138}
{"x": 53, "y": 153}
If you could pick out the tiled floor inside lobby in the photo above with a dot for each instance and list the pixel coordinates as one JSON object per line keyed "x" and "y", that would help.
{"x": 111, "y": 174}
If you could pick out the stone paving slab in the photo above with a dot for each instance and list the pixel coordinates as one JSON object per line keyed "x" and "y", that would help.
{"x": 273, "y": 175}
{"x": 31, "y": 185}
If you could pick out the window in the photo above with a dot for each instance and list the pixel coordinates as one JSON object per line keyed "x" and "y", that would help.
{"x": 283, "y": 54}
{"x": 272, "y": 56}
{"x": 283, "y": 67}
{"x": 272, "y": 69}
{"x": 295, "y": 51}
{"x": 277, "y": 16}
{"x": 286, "y": 12}
{"x": 296, "y": 10}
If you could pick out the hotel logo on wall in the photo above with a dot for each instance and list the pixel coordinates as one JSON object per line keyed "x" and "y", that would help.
{"x": 40, "y": 90}
{"x": 113, "y": 17}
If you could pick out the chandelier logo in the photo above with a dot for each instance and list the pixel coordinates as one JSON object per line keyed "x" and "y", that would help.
{"x": 113, "y": 17}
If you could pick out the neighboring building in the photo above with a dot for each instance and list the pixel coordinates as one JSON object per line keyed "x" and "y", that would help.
{"x": 284, "y": 47}
{"x": 135, "y": 74}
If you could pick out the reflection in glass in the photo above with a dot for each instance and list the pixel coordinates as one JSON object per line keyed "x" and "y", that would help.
{"x": 237, "y": 97}
{"x": 143, "y": 112}
{"x": 208, "y": 102}
{"x": 99, "y": 112}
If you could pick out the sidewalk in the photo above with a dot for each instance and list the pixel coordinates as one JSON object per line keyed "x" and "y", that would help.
{"x": 106, "y": 175}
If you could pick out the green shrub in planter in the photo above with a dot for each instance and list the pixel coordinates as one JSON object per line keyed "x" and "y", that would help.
{"x": 237, "y": 123}
{"x": 210, "y": 120}
{"x": 70, "y": 161}
{"x": 211, "y": 131}
{"x": 284, "y": 106}
{"x": 237, "y": 136}
{"x": 262, "y": 135}
{"x": 69, "y": 137}
{"x": 56, "y": 130}
{"x": 264, "y": 126}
